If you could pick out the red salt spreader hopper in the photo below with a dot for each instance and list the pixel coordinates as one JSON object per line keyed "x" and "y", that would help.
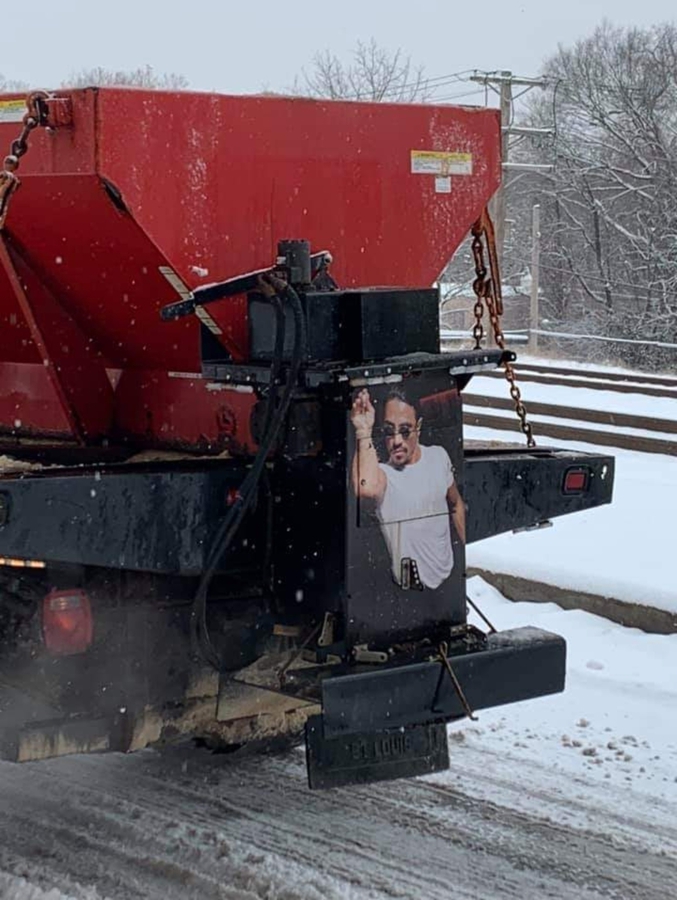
{"x": 129, "y": 196}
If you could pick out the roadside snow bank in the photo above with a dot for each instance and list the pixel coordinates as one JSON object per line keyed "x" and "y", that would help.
{"x": 604, "y": 749}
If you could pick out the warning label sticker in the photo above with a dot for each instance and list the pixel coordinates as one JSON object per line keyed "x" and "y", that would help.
{"x": 12, "y": 110}
{"x": 439, "y": 162}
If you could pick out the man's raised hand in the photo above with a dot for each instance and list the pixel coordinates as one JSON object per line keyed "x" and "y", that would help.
{"x": 363, "y": 415}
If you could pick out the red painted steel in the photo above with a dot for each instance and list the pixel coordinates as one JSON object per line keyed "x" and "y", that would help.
{"x": 74, "y": 366}
{"x": 173, "y": 409}
{"x": 207, "y": 185}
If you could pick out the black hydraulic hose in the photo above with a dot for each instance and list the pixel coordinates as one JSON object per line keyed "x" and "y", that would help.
{"x": 273, "y": 421}
{"x": 246, "y": 493}
{"x": 276, "y": 363}
{"x": 202, "y": 645}
{"x": 268, "y": 437}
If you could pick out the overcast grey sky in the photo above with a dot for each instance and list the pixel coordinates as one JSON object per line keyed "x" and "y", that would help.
{"x": 250, "y": 45}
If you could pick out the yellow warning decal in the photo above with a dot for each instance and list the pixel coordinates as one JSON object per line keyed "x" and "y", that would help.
{"x": 12, "y": 110}
{"x": 439, "y": 162}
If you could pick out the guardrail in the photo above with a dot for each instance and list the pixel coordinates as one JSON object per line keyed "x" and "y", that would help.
{"x": 656, "y": 435}
{"x": 521, "y": 335}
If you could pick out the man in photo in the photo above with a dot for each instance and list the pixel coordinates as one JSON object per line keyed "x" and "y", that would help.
{"x": 417, "y": 499}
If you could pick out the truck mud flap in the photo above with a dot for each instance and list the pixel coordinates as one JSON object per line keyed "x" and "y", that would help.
{"x": 381, "y": 756}
{"x": 389, "y": 723}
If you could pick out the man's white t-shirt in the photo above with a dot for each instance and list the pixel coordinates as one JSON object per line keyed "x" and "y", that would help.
{"x": 414, "y": 515}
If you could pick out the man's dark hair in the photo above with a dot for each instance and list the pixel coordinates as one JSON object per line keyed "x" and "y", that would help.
{"x": 398, "y": 394}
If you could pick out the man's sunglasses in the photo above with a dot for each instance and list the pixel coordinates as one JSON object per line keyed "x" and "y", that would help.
{"x": 405, "y": 431}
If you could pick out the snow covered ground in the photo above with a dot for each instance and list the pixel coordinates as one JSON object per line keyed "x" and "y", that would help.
{"x": 614, "y": 726}
{"x": 624, "y": 550}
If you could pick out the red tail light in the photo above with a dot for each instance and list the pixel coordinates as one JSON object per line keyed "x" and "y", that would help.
{"x": 576, "y": 481}
{"x": 67, "y": 625}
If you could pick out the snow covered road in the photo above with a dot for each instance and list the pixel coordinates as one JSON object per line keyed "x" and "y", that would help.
{"x": 225, "y": 828}
{"x": 564, "y": 797}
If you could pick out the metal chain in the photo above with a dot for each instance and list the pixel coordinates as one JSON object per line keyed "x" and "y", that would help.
{"x": 487, "y": 288}
{"x": 9, "y": 180}
{"x": 479, "y": 286}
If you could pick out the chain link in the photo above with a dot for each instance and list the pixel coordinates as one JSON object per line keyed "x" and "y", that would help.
{"x": 487, "y": 288}
{"x": 479, "y": 286}
{"x": 9, "y": 180}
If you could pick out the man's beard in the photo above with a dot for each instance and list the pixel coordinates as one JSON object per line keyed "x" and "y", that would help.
{"x": 398, "y": 465}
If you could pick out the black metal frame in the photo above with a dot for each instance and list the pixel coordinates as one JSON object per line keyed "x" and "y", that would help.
{"x": 355, "y": 739}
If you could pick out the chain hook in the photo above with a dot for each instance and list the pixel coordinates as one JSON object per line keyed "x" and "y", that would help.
{"x": 36, "y": 114}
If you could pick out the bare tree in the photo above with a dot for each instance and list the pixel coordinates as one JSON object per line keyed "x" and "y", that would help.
{"x": 374, "y": 74}
{"x": 12, "y": 86}
{"x": 609, "y": 209}
{"x": 144, "y": 76}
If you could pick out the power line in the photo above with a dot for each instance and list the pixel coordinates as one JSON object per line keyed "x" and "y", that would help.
{"x": 422, "y": 84}
{"x": 448, "y": 97}
{"x": 450, "y": 78}
{"x": 454, "y": 76}
{"x": 586, "y": 277}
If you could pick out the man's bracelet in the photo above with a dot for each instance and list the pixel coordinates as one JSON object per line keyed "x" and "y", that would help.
{"x": 366, "y": 436}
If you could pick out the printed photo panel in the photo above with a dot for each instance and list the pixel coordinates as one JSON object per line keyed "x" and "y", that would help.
{"x": 406, "y": 521}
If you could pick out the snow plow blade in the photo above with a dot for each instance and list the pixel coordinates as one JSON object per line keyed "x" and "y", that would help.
{"x": 379, "y": 725}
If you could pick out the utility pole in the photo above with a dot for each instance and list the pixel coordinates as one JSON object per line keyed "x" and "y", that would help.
{"x": 502, "y": 83}
{"x": 500, "y": 199}
{"x": 535, "y": 256}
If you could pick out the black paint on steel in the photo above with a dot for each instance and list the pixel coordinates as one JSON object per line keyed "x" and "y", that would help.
{"x": 510, "y": 489}
{"x": 460, "y": 365}
{"x": 516, "y": 665}
{"x": 160, "y": 521}
{"x": 240, "y": 284}
{"x": 294, "y": 257}
{"x": 152, "y": 521}
{"x": 353, "y": 326}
